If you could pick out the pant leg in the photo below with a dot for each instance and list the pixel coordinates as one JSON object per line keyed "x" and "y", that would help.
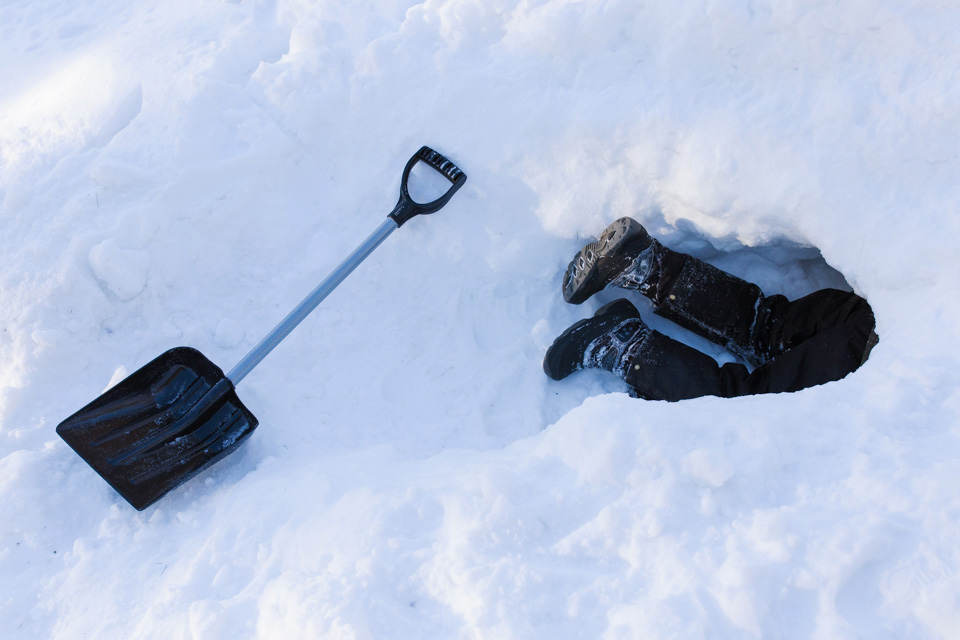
{"x": 819, "y": 338}
{"x": 735, "y": 314}
{"x": 665, "y": 369}
{"x": 722, "y": 308}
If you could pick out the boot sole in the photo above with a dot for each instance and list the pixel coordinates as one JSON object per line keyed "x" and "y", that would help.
{"x": 613, "y": 238}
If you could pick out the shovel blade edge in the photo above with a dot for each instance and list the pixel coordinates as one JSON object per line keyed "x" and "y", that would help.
{"x": 160, "y": 426}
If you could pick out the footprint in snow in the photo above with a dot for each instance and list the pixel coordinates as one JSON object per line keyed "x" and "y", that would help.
{"x": 121, "y": 271}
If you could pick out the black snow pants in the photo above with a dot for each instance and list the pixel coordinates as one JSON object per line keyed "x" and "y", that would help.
{"x": 818, "y": 338}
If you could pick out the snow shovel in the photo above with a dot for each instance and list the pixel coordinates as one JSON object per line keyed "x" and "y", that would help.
{"x": 179, "y": 413}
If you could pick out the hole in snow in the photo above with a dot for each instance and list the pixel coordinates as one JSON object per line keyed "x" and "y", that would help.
{"x": 782, "y": 267}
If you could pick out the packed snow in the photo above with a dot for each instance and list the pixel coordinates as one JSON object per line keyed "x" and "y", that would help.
{"x": 183, "y": 173}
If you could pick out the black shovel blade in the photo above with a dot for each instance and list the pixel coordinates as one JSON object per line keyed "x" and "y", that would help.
{"x": 160, "y": 426}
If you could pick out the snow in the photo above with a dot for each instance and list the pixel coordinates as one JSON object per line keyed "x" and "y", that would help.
{"x": 121, "y": 271}
{"x": 183, "y": 173}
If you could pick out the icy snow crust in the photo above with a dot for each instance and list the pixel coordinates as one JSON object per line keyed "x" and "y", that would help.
{"x": 182, "y": 173}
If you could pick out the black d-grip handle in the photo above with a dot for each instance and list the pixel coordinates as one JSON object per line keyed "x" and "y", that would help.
{"x": 406, "y": 207}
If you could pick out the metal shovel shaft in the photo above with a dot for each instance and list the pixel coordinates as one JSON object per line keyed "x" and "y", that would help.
{"x": 310, "y": 303}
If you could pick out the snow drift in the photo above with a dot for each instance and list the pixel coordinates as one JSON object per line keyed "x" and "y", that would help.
{"x": 183, "y": 173}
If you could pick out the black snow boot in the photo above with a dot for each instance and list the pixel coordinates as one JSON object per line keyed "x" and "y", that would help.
{"x": 699, "y": 297}
{"x": 600, "y": 262}
{"x": 725, "y": 309}
{"x": 605, "y": 341}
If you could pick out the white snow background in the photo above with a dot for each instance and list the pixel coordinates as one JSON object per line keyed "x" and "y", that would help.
{"x": 184, "y": 172}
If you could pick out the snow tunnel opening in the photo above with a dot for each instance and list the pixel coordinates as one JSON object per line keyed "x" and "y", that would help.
{"x": 780, "y": 265}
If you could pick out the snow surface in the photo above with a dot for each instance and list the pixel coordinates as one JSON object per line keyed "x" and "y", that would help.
{"x": 183, "y": 173}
